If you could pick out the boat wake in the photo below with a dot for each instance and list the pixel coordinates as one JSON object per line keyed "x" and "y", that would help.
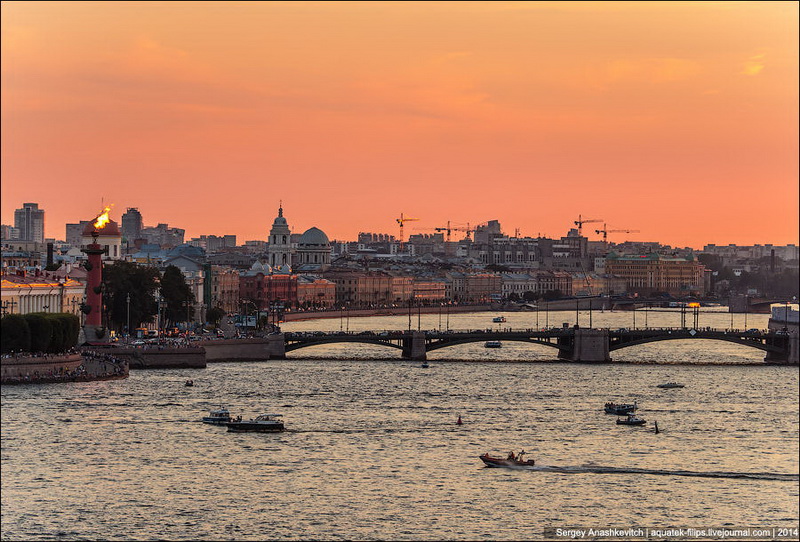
{"x": 594, "y": 469}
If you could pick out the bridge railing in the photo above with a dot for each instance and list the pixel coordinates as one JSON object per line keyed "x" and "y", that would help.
{"x": 388, "y": 334}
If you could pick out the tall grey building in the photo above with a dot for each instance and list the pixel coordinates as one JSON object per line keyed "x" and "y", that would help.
{"x": 30, "y": 222}
{"x": 132, "y": 224}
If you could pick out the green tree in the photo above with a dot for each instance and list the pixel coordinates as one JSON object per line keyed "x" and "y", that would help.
{"x": 176, "y": 293}
{"x": 70, "y": 329}
{"x": 58, "y": 338}
{"x": 41, "y": 331}
{"x": 15, "y": 335}
{"x": 529, "y": 296}
{"x": 140, "y": 282}
{"x": 214, "y": 315}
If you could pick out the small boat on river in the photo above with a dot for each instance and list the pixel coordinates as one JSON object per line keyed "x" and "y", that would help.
{"x": 632, "y": 419}
{"x": 512, "y": 461}
{"x": 221, "y": 416}
{"x": 493, "y": 344}
{"x": 264, "y": 423}
{"x": 499, "y": 319}
{"x": 620, "y": 409}
{"x": 670, "y": 385}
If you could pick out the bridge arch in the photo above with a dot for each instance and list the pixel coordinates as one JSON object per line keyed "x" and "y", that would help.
{"x": 296, "y": 345}
{"x": 731, "y": 339}
{"x": 444, "y": 343}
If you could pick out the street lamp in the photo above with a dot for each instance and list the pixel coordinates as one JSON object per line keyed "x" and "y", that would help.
{"x": 128, "y": 330}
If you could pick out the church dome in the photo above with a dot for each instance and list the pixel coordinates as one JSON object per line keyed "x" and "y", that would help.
{"x": 280, "y": 220}
{"x": 313, "y": 236}
{"x": 259, "y": 267}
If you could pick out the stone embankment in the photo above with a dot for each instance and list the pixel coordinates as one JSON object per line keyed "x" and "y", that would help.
{"x": 74, "y": 366}
{"x": 163, "y": 357}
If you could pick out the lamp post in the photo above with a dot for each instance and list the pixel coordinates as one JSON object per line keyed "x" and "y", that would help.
{"x": 546, "y": 314}
{"x": 746, "y": 307}
{"x": 128, "y": 329}
{"x": 158, "y": 317}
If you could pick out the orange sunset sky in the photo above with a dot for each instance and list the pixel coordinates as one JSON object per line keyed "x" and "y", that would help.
{"x": 678, "y": 119}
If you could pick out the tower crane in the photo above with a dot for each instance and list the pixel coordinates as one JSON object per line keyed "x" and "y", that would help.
{"x": 449, "y": 229}
{"x": 580, "y": 222}
{"x": 605, "y": 231}
{"x": 401, "y": 221}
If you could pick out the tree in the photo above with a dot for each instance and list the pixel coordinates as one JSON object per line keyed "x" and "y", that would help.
{"x": 140, "y": 282}
{"x": 41, "y": 331}
{"x": 70, "y": 329}
{"x": 15, "y": 335}
{"x": 550, "y": 295}
{"x": 529, "y": 296}
{"x": 176, "y": 293}
{"x": 58, "y": 339}
{"x": 214, "y": 315}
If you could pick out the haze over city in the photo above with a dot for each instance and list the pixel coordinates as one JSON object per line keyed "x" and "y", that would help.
{"x": 676, "y": 119}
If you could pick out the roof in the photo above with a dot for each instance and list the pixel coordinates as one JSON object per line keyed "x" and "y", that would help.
{"x": 313, "y": 236}
{"x": 17, "y": 281}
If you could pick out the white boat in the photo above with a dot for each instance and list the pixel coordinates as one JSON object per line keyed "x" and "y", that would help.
{"x": 670, "y": 385}
{"x": 632, "y": 419}
{"x": 265, "y": 423}
{"x": 220, "y": 416}
{"x": 499, "y": 319}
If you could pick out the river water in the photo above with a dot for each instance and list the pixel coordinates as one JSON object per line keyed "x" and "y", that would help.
{"x": 372, "y": 450}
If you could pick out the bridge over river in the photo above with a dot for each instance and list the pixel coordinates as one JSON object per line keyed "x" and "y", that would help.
{"x": 573, "y": 344}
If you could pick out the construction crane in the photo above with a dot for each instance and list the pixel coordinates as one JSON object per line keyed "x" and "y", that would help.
{"x": 402, "y": 220}
{"x": 580, "y": 222}
{"x": 605, "y": 231}
{"x": 449, "y": 229}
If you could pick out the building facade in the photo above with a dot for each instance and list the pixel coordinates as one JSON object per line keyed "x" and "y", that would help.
{"x": 279, "y": 252}
{"x": 649, "y": 273}
{"x": 30, "y": 222}
{"x": 24, "y": 293}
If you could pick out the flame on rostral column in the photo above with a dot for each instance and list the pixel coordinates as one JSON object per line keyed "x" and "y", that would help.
{"x": 102, "y": 219}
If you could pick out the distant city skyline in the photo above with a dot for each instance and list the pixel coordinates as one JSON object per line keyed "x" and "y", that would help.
{"x": 676, "y": 119}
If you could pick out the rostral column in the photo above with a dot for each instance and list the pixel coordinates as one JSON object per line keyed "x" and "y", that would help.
{"x": 93, "y": 327}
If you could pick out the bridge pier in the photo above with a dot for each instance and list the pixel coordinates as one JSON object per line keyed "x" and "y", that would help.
{"x": 588, "y": 345}
{"x": 276, "y": 346}
{"x": 414, "y": 347}
{"x": 790, "y": 357}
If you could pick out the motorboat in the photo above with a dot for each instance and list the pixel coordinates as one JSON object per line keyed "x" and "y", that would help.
{"x": 499, "y": 319}
{"x": 632, "y": 419}
{"x": 670, "y": 385}
{"x": 620, "y": 409}
{"x": 424, "y": 365}
{"x": 221, "y": 416}
{"x": 511, "y": 461}
{"x": 493, "y": 344}
{"x": 189, "y": 383}
{"x": 264, "y": 423}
